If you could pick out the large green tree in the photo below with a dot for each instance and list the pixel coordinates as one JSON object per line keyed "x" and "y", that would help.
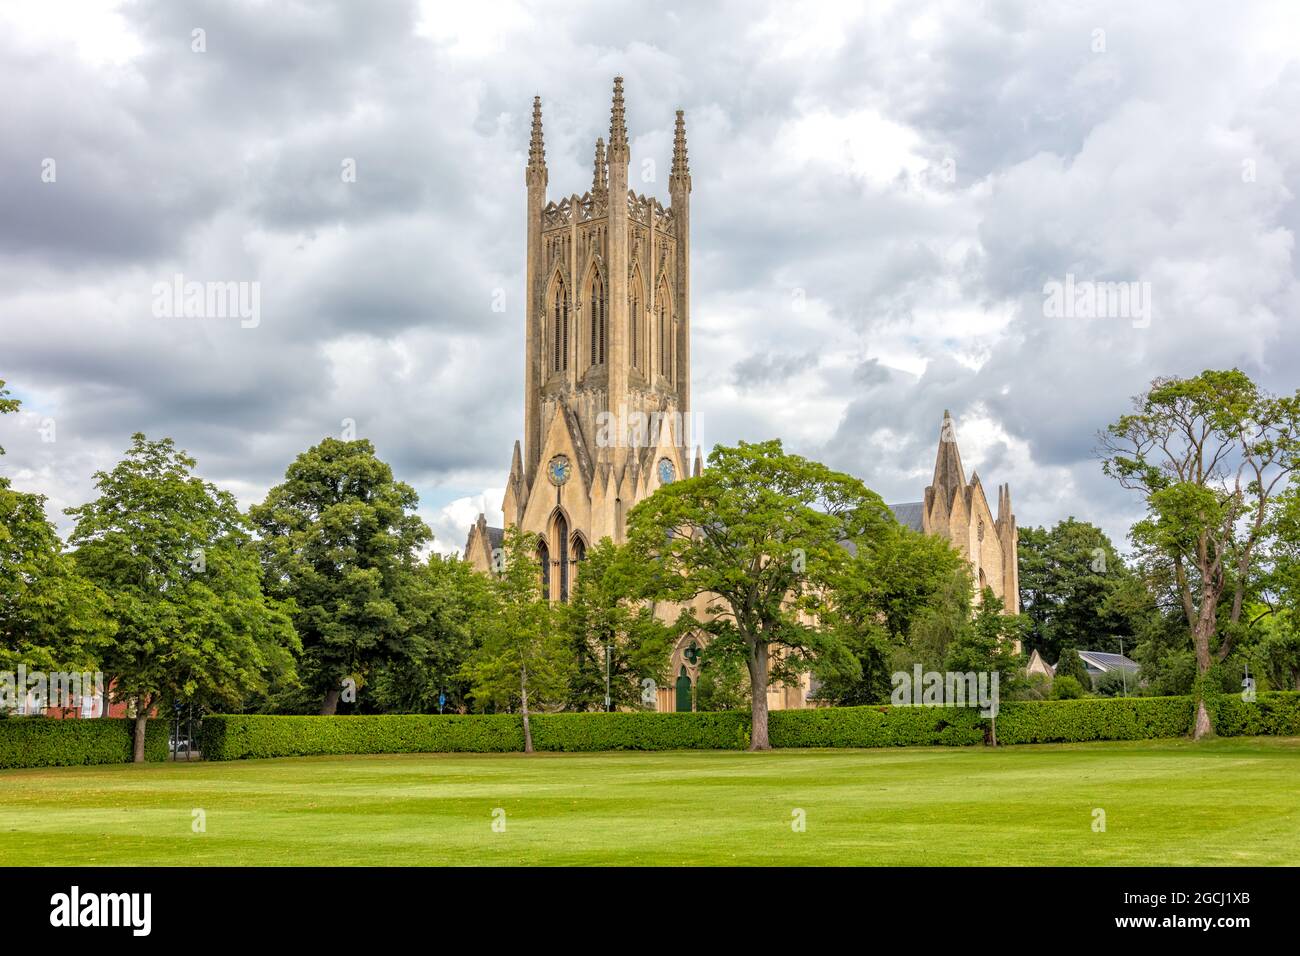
{"x": 174, "y": 556}
{"x": 986, "y": 643}
{"x": 339, "y": 538}
{"x": 616, "y": 642}
{"x": 51, "y": 618}
{"x": 1210, "y": 455}
{"x": 1069, "y": 579}
{"x": 888, "y": 584}
{"x": 522, "y": 659}
{"x": 448, "y": 601}
{"x": 759, "y": 534}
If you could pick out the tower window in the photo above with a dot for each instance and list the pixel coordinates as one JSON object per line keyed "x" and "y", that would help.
{"x": 561, "y": 328}
{"x": 634, "y": 330}
{"x": 597, "y": 322}
{"x": 544, "y": 559}
{"x": 562, "y": 538}
{"x": 664, "y": 332}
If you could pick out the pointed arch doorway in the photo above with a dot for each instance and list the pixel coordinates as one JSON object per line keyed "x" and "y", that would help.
{"x": 684, "y": 696}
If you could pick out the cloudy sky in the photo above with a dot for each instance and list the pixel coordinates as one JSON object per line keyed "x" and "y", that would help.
{"x": 880, "y": 198}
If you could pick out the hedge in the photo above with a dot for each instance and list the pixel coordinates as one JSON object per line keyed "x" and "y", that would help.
{"x": 726, "y": 730}
{"x": 236, "y": 737}
{"x": 875, "y": 727}
{"x": 1094, "y": 718}
{"x": 1272, "y": 714}
{"x": 50, "y": 742}
{"x": 1019, "y": 722}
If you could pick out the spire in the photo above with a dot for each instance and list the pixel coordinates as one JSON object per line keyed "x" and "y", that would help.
{"x": 681, "y": 171}
{"x": 516, "y": 464}
{"x": 536, "y": 147}
{"x": 599, "y": 179}
{"x": 617, "y": 124}
{"x": 948, "y": 474}
{"x": 699, "y": 463}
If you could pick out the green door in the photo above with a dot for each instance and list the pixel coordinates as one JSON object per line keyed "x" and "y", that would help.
{"x": 684, "y": 691}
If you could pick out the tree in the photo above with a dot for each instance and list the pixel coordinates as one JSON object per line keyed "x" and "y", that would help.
{"x": 51, "y": 618}
{"x": 1069, "y": 577}
{"x": 7, "y": 405}
{"x": 1067, "y": 688}
{"x": 174, "y": 556}
{"x": 1070, "y": 664}
{"x": 339, "y": 538}
{"x": 887, "y": 585}
{"x": 449, "y": 600}
{"x": 987, "y": 644}
{"x": 602, "y": 619}
{"x": 758, "y": 535}
{"x": 522, "y": 656}
{"x": 1209, "y": 455}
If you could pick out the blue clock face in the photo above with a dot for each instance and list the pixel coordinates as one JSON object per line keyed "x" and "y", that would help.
{"x": 667, "y": 471}
{"x": 558, "y": 469}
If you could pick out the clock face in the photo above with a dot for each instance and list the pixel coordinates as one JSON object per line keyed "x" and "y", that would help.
{"x": 558, "y": 469}
{"x": 667, "y": 471}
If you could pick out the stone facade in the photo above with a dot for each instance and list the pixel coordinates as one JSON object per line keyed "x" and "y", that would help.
{"x": 607, "y": 406}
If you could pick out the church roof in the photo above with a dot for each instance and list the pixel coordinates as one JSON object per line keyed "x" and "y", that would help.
{"x": 909, "y": 514}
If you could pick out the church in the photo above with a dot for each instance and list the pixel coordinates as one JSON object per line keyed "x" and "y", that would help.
{"x": 607, "y": 399}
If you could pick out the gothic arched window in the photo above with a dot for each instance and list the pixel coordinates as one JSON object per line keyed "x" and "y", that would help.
{"x": 562, "y": 539}
{"x": 665, "y": 332}
{"x": 544, "y": 559}
{"x": 597, "y": 321}
{"x": 560, "y": 313}
{"x": 634, "y": 325}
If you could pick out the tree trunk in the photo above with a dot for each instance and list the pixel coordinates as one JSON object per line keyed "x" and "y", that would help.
{"x": 758, "y": 698}
{"x": 1203, "y": 727}
{"x": 141, "y": 722}
{"x": 523, "y": 707}
{"x": 1205, "y": 625}
{"x": 330, "y": 705}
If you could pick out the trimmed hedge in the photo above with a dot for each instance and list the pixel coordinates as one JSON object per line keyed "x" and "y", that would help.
{"x": 236, "y": 737}
{"x": 725, "y": 730}
{"x": 1094, "y": 718}
{"x": 239, "y": 736}
{"x": 1019, "y": 722}
{"x": 49, "y": 742}
{"x": 875, "y": 727}
{"x": 1272, "y": 714}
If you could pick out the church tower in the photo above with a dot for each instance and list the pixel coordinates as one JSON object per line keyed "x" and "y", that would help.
{"x": 606, "y": 353}
{"x": 959, "y": 511}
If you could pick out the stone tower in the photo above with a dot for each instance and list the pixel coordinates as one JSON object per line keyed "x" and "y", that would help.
{"x": 960, "y": 512}
{"x": 607, "y": 353}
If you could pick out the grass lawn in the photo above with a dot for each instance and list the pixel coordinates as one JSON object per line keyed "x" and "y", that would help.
{"x": 1231, "y": 801}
